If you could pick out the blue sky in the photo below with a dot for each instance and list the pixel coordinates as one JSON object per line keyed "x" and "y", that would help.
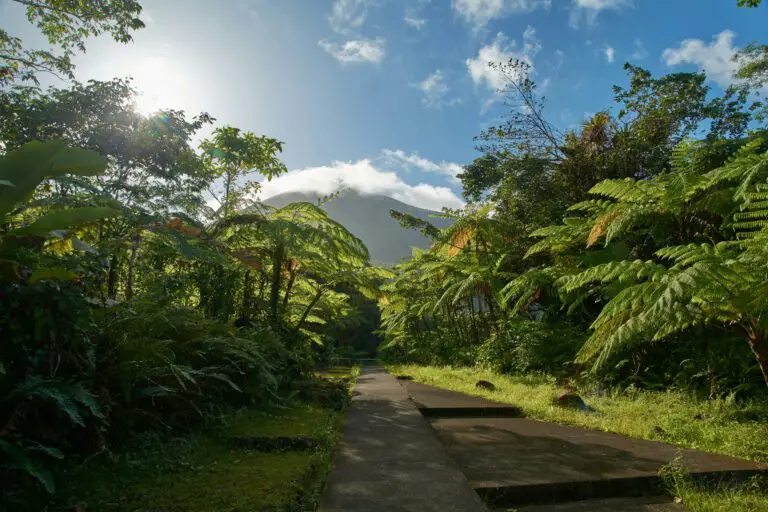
{"x": 385, "y": 96}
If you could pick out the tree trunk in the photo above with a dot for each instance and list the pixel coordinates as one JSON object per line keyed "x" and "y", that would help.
{"x": 308, "y": 309}
{"x": 132, "y": 266}
{"x": 288, "y": 287}
{"x": 247, "y": 293}
{"x": 274, "y": 291}
{"x": 112, "y": 278}
{"x": 759, "y": 346}
{"x": 227, "y": 192}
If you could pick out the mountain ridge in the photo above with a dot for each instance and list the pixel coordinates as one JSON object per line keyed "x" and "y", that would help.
{"x": 367, "y": 217}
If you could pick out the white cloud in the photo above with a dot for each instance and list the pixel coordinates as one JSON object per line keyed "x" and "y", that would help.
{"x": 413, "y": 16}
{"x": 559, "y": 60}
{"x": 610, "y": 54}
{"x": 716, "y": 58}
{"x": 589, "y": 9}
{"x": 639, "y": 52}
{"x": 414, "y": 21}
{"x": 479, "y": 12}
{"x": 436, "y": 91}
{"x": 406, "y": 161}
{"x": 348, "y": 15}
{"x": 501, "y": 50}
{"x": 360, "y": 50}
{"x": 364, "y": 177}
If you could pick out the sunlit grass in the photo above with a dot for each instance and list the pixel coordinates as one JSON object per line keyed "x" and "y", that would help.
{"x": 731, "y": 500}
{"x": 673, "y": 417}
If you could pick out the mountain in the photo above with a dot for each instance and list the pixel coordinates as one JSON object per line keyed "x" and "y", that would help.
{"x": 367, "y": 217}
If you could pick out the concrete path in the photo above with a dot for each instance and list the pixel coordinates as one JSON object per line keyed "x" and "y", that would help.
{"x": 389, "y": 458}
{"x": 516, "y": 461}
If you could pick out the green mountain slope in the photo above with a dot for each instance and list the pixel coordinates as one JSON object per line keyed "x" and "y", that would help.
{"x": 367, "y": 217}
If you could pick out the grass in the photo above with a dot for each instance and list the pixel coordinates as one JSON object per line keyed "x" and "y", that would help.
{"x": 676, "y": 418}
{"x": 739, "y": 430}
{"x": 204, "y": 472}
{"x": 732, "y": 500}
{"x": 749, "y": 497}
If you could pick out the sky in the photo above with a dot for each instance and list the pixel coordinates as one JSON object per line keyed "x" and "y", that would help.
{"x": 386, "y": 96}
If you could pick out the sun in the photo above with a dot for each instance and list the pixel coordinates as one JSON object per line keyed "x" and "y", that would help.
{"x": 159, "y": 85}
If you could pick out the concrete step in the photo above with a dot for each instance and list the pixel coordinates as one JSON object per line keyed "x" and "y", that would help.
{"x": 645, "y": 504}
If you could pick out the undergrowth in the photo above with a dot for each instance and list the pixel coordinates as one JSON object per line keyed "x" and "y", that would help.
{"x": 204, "y": 471}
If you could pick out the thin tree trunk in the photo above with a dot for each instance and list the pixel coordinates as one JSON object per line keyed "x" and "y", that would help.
{"x": 473, "y": 321}
{"x": 132, "y": 266}
{"x": 274, "y": 292}
{"x": 308, "y": 309}
{"x": 112, "y": 278}
{"x": 247, "y": 293}
{"x": 288, "y": 287}
{"x": 227, "y": 191}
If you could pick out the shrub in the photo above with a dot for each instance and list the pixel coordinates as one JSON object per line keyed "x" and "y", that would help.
{"x": 528, "y": 345}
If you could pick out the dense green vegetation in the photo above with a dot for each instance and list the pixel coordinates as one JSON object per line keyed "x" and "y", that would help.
{"x": 625, "y": 259}
{"x": 629, "y": 252}
{"x": 150, "y": 308}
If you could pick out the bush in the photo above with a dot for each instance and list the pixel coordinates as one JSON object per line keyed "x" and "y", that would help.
{"x": 169, "y": 365}
{"x": 46, "y": 367}
{"x": 75, "y": 379}
{"x": 527, "y": 345}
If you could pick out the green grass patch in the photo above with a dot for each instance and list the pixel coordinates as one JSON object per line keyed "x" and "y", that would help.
{"x": 205, "y": 471}
{"x": 718, "y": 426}
{"x": 731, "y": 499}
{"x": 338, "y": 372}
{"x": 750, "y": 496}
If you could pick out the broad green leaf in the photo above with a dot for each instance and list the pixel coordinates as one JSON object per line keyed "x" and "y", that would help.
{"x": 53, "y": 273}
{"x": 6, "y": 183}
{"x": 63, "y": 219}
{"x": 27, "y": 167}
{"x": 17, "y": 458}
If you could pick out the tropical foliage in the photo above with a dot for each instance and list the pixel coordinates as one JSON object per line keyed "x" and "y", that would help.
{"x": 142, "y": 285}
{"x": 599, "y": 253}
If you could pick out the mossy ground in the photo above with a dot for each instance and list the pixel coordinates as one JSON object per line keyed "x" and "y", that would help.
{"x": 739, "y": 430}
{"x": 204, "y": 472}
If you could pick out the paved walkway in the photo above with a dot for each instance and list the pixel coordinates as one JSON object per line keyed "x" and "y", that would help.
{"x": 518, "y": 461}
{"x": 389, "y": 458}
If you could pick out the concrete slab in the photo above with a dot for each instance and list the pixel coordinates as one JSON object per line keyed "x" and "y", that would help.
{"x": 425, "y": 396}
{"x": 436, "y": 403}
{"x": 518, "y": 461}
{"x": 389, "y": 458}
{"x": 504, "y": 451}
{"x": 643, "y": 504}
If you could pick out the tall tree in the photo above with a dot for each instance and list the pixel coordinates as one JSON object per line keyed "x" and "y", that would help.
{"x": 66, "y": 24}
{"x": 233, "y": 156}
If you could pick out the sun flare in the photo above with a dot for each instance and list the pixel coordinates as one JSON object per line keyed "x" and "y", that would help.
{"x": 159, "y": 84}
